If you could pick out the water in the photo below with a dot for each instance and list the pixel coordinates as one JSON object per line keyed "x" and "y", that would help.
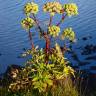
{"x": 13, "y": 38}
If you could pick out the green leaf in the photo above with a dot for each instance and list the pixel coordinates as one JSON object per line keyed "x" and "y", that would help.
{"x": 50, "y": 82}
{"x": 35, "y": 79}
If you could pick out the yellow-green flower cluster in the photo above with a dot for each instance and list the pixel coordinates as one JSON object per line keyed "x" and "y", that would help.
{"x": 52, "y": 8}
{"x": 27, "y": 23}
{"x": 54, "y": 30}
{"x": 71, "y": 9}
{"x": 68, "y": 33}
{"x": 31, "y": 8}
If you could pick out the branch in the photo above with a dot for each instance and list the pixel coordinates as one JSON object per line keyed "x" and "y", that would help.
{"x": 50, "y": 20}
{"x": 30, "y": 38}
{"x": 62, "y": 19}
{"x": 39, "y": 27}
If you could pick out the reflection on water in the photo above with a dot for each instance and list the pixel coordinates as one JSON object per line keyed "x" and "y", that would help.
{"x": 13, "y": 38}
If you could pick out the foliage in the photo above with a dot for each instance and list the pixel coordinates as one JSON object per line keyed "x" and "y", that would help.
{"x": 52, "y": 8}
{"x": 31, "y": 8}
{"x": 27, "y": 23}
{"x": 3, "y": 91}
{"x": 53, "y": 30}
{"x": 65, "y": 88}
{"x": 47, "y": 67}
{"x": 71, "y": 9}
{"x": 44, "y": 74}
{"x": 68, "y": 33}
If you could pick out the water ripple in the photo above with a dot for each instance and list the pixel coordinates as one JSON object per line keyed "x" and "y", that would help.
{"x": 13, "y": 38}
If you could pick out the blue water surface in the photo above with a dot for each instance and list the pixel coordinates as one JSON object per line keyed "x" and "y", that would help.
{"x": 13, "y": 38}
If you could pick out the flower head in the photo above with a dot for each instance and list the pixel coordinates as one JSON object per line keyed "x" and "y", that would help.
{"x": 71, "y": 9}
{"x": 54, "y": 30}
{"x": 31, "y": 8}
{"x": 53, "y": 8}
{"x": 68, "y": 33}
{"x": 27, "y": 23}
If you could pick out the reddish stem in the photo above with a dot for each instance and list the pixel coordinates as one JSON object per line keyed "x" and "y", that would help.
{"x": 30, "y": 38}
{"x": 45, "y": 35}
{"x": 37, "y": 23}
{"x": 62, "y": 19}
{"x": 47, "y": 48}
{"x": 50, "y": 21}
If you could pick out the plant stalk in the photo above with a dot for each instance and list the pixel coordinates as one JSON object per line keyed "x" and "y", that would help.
{"x": 50, "y": 21}
{"x": 37, "y": 23}
{"x": 30, "y": 38}
{"x": 47, "y": 48}
{"x": 62, "y": 19}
